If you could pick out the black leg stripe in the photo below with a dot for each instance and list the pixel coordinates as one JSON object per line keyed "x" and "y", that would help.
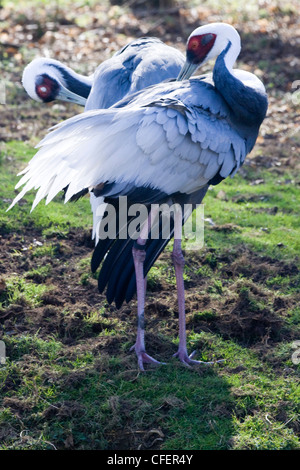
{"x": 137, "y": 246}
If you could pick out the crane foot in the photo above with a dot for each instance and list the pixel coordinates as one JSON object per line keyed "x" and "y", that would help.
{"x": 188, "y": 360}
{"x": 144, "y": 358}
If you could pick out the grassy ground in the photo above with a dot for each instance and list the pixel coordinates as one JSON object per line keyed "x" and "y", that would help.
{"x": 70, "y": 381}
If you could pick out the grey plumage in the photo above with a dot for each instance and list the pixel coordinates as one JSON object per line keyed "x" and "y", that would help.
{"x": 141, "y": 63}
{"x": 167, "y": 143}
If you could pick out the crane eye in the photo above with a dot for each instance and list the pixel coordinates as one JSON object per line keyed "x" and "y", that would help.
{"x": 46, "y": 88}
{"x": 194, "y": 44}
{"x": 43, "y": 91}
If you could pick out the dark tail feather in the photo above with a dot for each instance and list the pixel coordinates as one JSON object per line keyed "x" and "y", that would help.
{"x": 100, "y": 251}
{"x": 120, "y": 267}
{"x": 117, "y": 284}
{"x": 118, "y": 272}
{"x": 121, "y": 281}
{"x": 103, "y": 246}
{"x": 128, "y": 272}
{"x": 76, "y": 196}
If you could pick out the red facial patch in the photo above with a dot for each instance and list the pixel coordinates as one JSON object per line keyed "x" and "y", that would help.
{"x": 199, "y": 46}
{"x": 46, "y": 88}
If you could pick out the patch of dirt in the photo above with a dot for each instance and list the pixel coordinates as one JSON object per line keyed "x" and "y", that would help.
{"x": 247, "y": 313}
{"x": 249, "y": 319}
{"x": 64, "y": 282}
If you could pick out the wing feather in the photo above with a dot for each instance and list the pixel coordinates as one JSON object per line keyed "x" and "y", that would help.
{"x": 165, "y": 144}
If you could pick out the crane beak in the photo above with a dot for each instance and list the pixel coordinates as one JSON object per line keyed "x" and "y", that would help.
{"x": 67, "y": 95}
{"x": 187, "y": 71}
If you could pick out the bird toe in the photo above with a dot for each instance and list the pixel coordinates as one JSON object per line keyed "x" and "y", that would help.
{"x": 188, "y": 360}
{"x": 144, "y": 358}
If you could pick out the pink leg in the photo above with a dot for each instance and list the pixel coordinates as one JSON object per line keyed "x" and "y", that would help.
{"x": 179, "y": 262}
{"x": 139, "y": 255}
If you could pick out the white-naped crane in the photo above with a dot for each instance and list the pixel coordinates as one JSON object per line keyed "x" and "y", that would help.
{"x": 167, "y": 143}
{"x": 142, "y": 62}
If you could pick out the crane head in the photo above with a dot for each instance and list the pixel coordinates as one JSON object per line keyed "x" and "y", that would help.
{"x": 207, "y": 42}
{"x": 43, "y": 81}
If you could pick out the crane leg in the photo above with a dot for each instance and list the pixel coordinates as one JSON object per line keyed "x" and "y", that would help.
{"x": 139, "y": 254}
{"x": 179, "y": 262}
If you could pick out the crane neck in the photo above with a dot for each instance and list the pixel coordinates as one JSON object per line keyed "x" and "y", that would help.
{"x": 75, "y": 82}
{"x": 248, "y": 105}
{"x": 230, "y": 53}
